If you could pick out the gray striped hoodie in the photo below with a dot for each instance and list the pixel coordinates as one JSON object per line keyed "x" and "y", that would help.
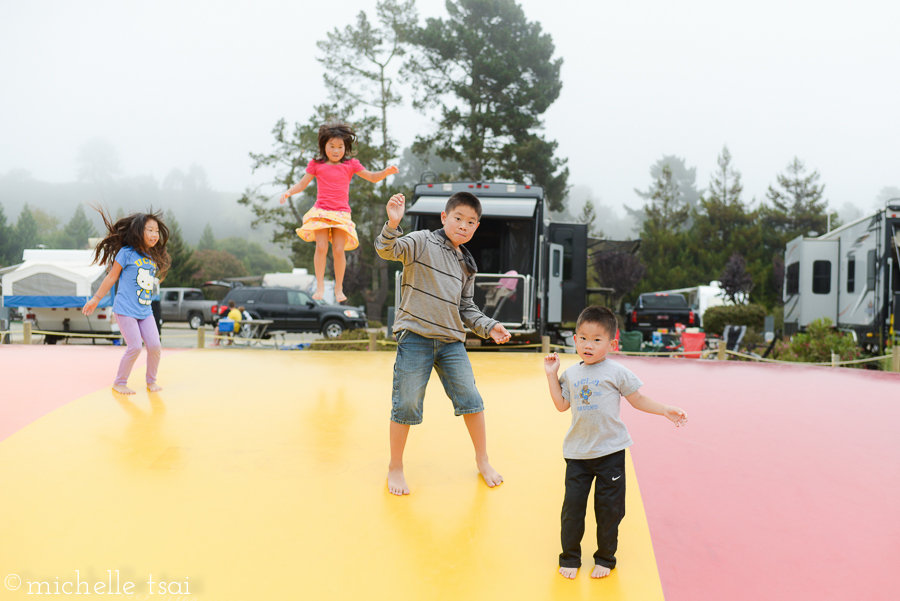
{"x": 437, "y": 287}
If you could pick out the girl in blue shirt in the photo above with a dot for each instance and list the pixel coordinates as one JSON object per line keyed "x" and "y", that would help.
{"x": 134, "y": 250}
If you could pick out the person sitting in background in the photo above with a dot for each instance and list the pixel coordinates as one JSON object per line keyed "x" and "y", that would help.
{"x": 235, "y": 315}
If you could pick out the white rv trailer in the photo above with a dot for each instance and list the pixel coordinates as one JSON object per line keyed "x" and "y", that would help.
{"x": 51, "y": 287}
{"x": 850, "y": 275}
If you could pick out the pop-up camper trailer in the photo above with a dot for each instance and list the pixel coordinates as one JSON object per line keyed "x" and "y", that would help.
{"x": 532, "y": 272}
{"x": 850, "y": 275}
{"x": 52, "y": 286}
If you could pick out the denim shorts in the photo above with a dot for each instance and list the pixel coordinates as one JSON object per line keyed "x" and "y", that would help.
{"x": 416, "y": 355}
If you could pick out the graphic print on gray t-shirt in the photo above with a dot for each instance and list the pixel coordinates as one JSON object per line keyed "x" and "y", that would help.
{"x": 594, "y": 393}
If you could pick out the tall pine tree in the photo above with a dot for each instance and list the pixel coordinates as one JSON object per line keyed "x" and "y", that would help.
{"x": 684, "y": 178}
{"x": 77, "y": 231}
{"x": 7, "y": 240}
{"x": 664, "y": 243}
{"x": 725, "y": 225}
{"x": 26, "y": 234}
{"x": 207, "y": 240}
{"x": 493, "y": 75}
{"x": 184, "y": 266}
{"x": 796, "y": 205}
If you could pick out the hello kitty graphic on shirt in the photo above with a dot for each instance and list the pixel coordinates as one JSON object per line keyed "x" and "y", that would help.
{"x": 145, "y": 285}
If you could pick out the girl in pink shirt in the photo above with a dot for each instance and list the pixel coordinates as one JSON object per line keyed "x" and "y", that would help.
{"x": 329, "y": 219}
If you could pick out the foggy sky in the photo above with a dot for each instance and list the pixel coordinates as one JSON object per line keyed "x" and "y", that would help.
{"x": 171, "y": 84}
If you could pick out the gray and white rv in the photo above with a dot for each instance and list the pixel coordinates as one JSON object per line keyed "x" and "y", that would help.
{"x": 850, "y": 275}
{"x": 532, "y": 272}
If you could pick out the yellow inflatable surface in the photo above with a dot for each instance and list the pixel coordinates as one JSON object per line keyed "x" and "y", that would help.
{"x": 262, "y": 476}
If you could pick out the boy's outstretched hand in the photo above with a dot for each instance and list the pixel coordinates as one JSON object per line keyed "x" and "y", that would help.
{"x": 395, "y": 208}
{"x": 551, "y": 363}
{"x": 675, "y": 415}
{"x": 499, "y": 334}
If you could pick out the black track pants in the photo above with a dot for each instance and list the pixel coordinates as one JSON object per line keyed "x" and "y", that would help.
{"x": 609, "y": 507}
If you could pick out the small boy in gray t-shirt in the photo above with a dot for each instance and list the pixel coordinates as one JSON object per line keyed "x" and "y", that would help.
{"x": 595, "y": 444}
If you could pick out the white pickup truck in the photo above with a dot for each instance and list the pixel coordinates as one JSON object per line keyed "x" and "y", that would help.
{"x": 185, "y": 304}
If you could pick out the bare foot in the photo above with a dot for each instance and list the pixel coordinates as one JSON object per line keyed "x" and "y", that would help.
{"x": 490, "y": 475}
{"x": 122, "y": 389}
{"x": 600, "y": 572}
{"x": 569, "y": 573}
{"x": 397, "y": 483}
{"x": 319, "y": 294}
{"x": 339, "y": 295}
{"x": 154, "y": 387}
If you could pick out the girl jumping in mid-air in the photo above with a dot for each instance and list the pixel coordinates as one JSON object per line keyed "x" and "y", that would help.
{"x": 329, "y": 219}
{"x": 134, "y": 250}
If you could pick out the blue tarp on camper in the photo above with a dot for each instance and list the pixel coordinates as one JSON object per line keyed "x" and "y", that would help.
{"x": 57, "y": 302}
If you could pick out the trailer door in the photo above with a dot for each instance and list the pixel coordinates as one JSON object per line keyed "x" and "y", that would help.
{"x": 554, "y": 284}
{"x": 819, "y": 281}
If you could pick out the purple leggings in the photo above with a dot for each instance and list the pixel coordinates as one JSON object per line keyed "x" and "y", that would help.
{"x": 134, "y": 330}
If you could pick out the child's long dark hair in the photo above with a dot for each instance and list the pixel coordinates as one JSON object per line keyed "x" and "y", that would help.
{"x": 336, "y": 130}
{"x": 129, "y": 231}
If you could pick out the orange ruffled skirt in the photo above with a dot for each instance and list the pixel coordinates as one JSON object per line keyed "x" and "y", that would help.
{"x": 318, "y": 219}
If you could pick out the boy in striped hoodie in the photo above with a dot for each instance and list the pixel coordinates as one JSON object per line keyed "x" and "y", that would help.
{"x": 437, "y": 298}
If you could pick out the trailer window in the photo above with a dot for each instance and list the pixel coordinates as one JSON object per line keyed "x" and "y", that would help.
{"x": 792, "y": 286}
{"x": 851, "y": 274}
{"x": 871, "y": 269}
{"x": 500, "y": 245}
{"x": 821, "y": 283}
{"x": 566, "y": 238}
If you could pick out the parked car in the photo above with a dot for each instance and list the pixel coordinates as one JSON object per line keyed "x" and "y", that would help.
{"x": 293, "y": 310}
{"x": 185, "y": 304}
{"x": 659, "y": 310}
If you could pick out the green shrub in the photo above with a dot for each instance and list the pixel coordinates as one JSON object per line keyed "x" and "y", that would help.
{"x": 816, "y": 344}
{"x": 349, "y": 336}
{"x": 716, "y": 318}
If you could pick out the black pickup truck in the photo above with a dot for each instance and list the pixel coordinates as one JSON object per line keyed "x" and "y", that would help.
{"x": 659, "y": 310}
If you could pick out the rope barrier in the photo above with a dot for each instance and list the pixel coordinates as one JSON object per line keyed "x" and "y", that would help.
{"x": 703, "y": 353}
{"x": 820, "y": 363}
{"x": 75, "y": 335}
